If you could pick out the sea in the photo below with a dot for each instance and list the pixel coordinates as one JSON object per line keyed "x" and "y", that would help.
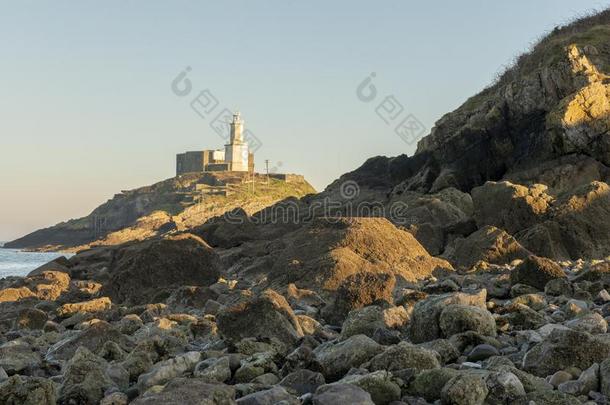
{"x": 14, "y": 262}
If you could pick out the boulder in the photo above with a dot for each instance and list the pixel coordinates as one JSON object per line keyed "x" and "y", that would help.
{"x": 504, "y": 388}
{"x": 461, "y": 318}
{"x": 31, "y": 318}
{"x": 213, "y": 370}
{"x": 85, "y": 379}
{"x": 167, "y": 370}
{"x": 405, "y": 355}
{"x": 488, "y": 244}
{"x": 47, "y": 285}
{"x": 465, "y": 389}
{"x": 334, "y": 394}
{"x": 190, "y": 391}
{"x": 429, "y": 383}
{"x": 424, "y": 324}
{"x": 143, "y": 272}
{"x": 565, "y": 348}
{"x": 482, "y": 352}
{"x": 92, "y": 338}
{"x": 320, "y": 255}
{"x": 302, "y": 381}
{"x": 22, "y": 390}
{"x": 444, "y": 348}
{"x": 92, "y": 306}
{"x": 359, "y": 290}
{"x": 265, "y": 316}
{"x": 363, "y": 321}
{"x": 190, "y": 297}
{"x": 509, "y": 206}
{"x": 270, "y": 396}
{"x": 379, "y": 384}
{"x": 337, "y": 359}
{"x": 536, "y": 272}
{"x": 572, "y": 228}
{"x": 604, "y": 377}
{"x": 592, "y": 323}
{"x": 18, "y": 357}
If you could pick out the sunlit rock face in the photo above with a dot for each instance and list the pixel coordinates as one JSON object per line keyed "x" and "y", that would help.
{"x": 552, "y": 104}
{"x": 540, "y": 133}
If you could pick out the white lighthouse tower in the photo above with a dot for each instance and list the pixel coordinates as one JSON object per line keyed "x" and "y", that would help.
{"x": 236, "y": 151}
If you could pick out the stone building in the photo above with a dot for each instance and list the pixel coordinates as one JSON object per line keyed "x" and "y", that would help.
{"x": 234, "y": 158}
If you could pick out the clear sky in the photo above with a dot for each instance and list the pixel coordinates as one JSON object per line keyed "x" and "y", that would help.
{"x": 87, "y": 106}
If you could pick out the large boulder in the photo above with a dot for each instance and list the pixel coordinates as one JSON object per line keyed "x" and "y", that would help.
{"x": 167, "y": 370}
{"x": 302, "y": 381}
{"x": 322, "y": 254}
{"x": 405, "y": 355}
{"x": 265, "y": 316}
{"x": 270, "y": 396}
{"x": 85, "y": 379}
{"x": 190, "y": 391}
{"x": 18, "y": 357}
{"x": 337, "y": 359}
{"x": 367, "y": 320}
{"x": 429, "y": 383}
{"x": 45, "y": 285}
{"x": 565, "y": 348}
{"x": 571, "y": 229}
{"x": 461, "y": 318}
{"x": 334, "y": 394}
{"x": 465, "y": 389}
{"x": 424, "y": 324}
{"x": 21, "y": 390}
{"x": 508, "y": 206}
{"x": 148, "y": 271}
{"x": 536, "y": 272}
{"x": 379, "y": 384}
{"x": 489, "y": 244}
{"x": 360, "y": 290}
{"x": 92, "y": 306}
{"x": 92, "y": 338}
{"x": 433, "y": 218}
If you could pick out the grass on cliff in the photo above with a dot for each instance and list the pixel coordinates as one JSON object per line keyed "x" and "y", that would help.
{"x": 590, "y": 29}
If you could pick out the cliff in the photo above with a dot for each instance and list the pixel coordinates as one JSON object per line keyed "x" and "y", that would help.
{"x": 175, "y": 204}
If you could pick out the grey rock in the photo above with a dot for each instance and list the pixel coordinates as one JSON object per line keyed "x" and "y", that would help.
{"x": 592, "y": 323}
{"x": 379, "y": 384}
{"x": 301, "y": 382}
{"x": 165, "y": 371}
{"x": 275, "y": 395}
{"x": 565, "y": 348}
{"x": 559, "y": 378}
{"x": 213, "y": 370}
{"x": 341, "y": 394}
{"x": 21, "y": 390}
{"x": 337, "y": 359}
{"x": 465, "y": 389}
{"x": 504, "y": 388}
{"x": 85, "y": 379}
{"x": 190, "y": 391}
{"x": 424, "y": 324}
{"x": 461, "y": 318}
{"x": 405, "y": 355}
{"x": 482, "y": 352}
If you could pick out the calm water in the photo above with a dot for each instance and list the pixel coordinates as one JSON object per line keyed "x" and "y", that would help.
{"x": 17, "y": 263}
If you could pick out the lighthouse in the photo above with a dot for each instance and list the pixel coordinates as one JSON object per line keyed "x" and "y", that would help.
{"x": 236, "y": 151}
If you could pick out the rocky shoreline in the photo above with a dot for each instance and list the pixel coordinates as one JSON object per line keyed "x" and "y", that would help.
{"x": 532, "y": 330}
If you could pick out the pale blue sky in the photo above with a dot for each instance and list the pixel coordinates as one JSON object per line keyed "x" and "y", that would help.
{"x": 87, "y": 108}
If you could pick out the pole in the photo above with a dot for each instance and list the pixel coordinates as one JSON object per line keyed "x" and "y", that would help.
{"x": 267, "y": 166}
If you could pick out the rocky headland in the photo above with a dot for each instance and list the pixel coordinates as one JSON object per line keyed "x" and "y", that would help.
{"x": 475, "y": 272}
